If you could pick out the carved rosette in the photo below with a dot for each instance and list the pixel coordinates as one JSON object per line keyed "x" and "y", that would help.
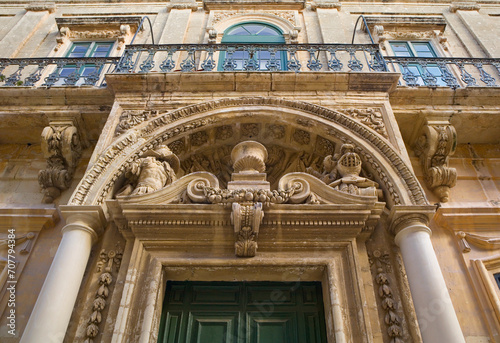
{"x": 62, "y": 148}
{"x": 434, "y": 146}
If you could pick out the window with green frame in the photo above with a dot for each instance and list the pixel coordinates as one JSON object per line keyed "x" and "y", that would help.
{"x": 85, "y": 49}
{"x": 253, "y": 33}
{"x": 419, "y": 49}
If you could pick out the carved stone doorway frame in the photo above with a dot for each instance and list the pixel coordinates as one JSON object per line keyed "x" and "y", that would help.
{"x": 335, "y": 265}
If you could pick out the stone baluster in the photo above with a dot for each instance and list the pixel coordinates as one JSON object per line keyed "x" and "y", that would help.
{"x": 52, "y": 312}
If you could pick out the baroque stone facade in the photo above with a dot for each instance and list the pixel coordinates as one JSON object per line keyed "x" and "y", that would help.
{"x": 380, "y": 183}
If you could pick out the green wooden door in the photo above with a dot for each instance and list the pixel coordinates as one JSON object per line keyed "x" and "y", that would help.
{"x": 243, "y": 312}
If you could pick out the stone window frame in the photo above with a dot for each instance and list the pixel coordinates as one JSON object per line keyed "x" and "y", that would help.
{"x": 472, "y": 231}
{"x": 484, "y": 270}
{"x": 119, "y": 30}
{"x": 220, "y": 21}
{"x": 390, "y": 28}
{"x": 93, "y": 29}
{"x": 408, "y": 28}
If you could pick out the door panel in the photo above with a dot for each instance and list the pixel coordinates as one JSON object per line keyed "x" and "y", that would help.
{"x": 272, "y": 328}
{"x": 243, "y": 312}
{"x": 212, "y": 327}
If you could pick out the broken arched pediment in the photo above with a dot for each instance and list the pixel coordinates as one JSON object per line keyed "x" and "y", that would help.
{"x": 249, "y": 196}
{"x": 296, "y": 134}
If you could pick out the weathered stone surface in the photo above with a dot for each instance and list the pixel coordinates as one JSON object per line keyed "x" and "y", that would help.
{"x": 181, "y": 229}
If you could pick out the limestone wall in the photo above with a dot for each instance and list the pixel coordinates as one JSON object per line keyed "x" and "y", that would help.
{"x": 454, "y": 29}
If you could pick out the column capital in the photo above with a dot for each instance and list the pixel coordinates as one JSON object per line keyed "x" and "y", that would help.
{"x": 404, "y": 216}
{"x": 88, "y": 218}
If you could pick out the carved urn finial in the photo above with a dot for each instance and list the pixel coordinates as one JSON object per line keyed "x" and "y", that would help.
{"x": 249, "y": 157}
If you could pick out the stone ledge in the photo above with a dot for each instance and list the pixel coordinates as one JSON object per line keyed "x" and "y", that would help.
{"x": 252, "y": 82}
{"x": 28, "y": 218}
{"x": 470, "y": 218}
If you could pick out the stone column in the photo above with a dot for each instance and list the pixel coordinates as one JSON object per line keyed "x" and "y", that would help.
{"x": 435, "y": 313}
{"x": 50, "y": 316}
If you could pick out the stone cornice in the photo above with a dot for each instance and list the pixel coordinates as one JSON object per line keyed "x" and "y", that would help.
{"x": 182, "y": 6}
{"x": 41, "y": 6}
{"x": 464, "y": 6}
{"x": 469, "y": 219}
{"x": 28, "y": 219}
{"x": 326, "y": 5}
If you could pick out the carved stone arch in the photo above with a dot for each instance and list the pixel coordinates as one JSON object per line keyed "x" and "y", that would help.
{"x": 198, "y": 125}
{"x": 285, "y": 21}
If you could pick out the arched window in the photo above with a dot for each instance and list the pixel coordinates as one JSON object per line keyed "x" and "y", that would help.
{"x": 254, "y": 33}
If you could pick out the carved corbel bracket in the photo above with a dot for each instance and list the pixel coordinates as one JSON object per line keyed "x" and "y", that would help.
{"x": 61, "y": 146}
{"x": 435, "y": 145}
{"x": 64, "y": 35}
{"x": 212, "y": 35}
{"x": 246, "y": 219}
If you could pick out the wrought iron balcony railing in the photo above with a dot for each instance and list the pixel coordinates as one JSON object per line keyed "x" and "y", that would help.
{"x": 453, "y": 72}
{"x": 251, "y": 57}
{"x": 48, "y": 72}
{"x": 168, "y": 58}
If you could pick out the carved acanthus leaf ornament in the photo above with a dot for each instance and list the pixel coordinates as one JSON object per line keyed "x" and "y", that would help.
{"x": 370, "y": 117}
{"x": 130, "y": 118}
{"x": 246, "y": 219}
{"x": 436, "y": 143}
{"x": 387, "y": 35}
{"x": 62, "y": 148}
